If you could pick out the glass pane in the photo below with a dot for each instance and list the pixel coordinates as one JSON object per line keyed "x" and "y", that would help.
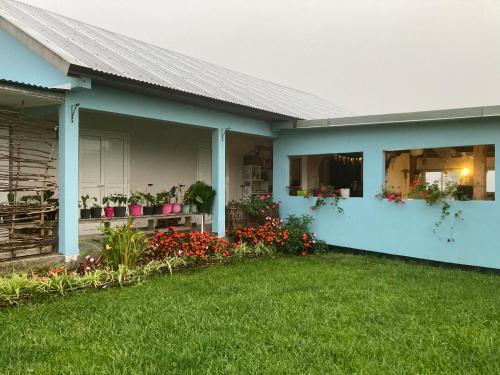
{"x": 490, "y": 181}
{"x": 432, "y": 177}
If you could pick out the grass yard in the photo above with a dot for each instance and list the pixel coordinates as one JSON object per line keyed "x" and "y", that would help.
{"x": 318, "y": 314}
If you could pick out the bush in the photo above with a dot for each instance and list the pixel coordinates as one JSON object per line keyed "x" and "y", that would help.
{"x": 300, "y": 238}
{"x": 193, "y": 245}
{"x": 262, "y": 205}
{"x": 123, "y": 245}
{"x": 292, "y": 237}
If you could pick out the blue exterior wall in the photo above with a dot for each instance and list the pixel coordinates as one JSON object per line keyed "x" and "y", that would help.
{"x": 18, "y": 63}
{"x": 370, "y": 224}
{"x": 101, "y": 98}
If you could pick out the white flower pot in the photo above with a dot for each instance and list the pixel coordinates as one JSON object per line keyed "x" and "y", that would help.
{"x": 345, "y": 193}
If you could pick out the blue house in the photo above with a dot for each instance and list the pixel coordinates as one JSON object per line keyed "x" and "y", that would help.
{"x": 132, "y": 116}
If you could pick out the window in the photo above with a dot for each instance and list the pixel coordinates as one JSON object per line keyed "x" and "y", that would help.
{"x": 342, "y": 171}
{"x": 471, "y": 168}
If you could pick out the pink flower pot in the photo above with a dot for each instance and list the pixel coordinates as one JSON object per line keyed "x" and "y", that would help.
{"x": 108, "y": 211}
{"x": 166, "y": 209}
{"x": 135, "y": 210}
{"x": 176, "y": 208}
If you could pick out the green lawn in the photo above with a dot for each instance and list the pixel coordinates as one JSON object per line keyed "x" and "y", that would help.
{"x": 318, "y": 314}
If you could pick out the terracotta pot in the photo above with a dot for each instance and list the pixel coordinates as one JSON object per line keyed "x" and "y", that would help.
{"x": 166, "y": 209}
{"x": 108, "y": 211}
{"x": 135, "y": 210}
{"x": 176, "y": 208}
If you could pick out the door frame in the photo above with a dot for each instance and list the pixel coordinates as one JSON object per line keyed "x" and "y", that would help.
{"x": 126, "y": 161}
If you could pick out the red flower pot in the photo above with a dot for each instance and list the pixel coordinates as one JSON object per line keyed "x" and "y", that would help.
{"x": 135, "y": 210}
{"x": 166, "y": 209}
{"x": 108, "y": 211}
{"x": 176, "y": 208}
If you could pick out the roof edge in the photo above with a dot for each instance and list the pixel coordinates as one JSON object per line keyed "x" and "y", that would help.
{"x": 119, "y": 82}
{"x": 34, "y": 45}
{"x": 403, "y": 117}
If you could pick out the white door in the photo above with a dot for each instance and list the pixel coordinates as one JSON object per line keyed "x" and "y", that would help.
{"x": 103, "y": 164}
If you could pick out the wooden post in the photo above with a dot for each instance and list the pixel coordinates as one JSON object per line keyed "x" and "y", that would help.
{"x": 479, "y": 173}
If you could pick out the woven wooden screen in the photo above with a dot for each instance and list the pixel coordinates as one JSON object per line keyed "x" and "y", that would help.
{"x": 28, "y": 209}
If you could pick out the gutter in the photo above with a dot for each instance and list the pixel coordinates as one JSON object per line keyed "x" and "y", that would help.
{"x": 405, "y": 117}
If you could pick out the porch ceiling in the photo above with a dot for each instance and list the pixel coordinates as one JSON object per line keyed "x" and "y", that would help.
{"x": 13, "y": 95}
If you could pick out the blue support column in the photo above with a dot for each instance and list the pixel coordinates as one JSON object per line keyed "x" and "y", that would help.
{"x": 219, "y": 181}
{"x": 68, "y": 179}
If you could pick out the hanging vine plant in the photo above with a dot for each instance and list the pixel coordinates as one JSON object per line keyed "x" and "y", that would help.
{"x": 433, "y": 195}
{"x": 324, "y": 195}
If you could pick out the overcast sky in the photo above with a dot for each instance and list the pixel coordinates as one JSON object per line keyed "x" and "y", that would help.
{"x": 367, "y": 56}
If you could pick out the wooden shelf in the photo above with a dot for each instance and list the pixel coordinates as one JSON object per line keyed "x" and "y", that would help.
{"x": 115, "y": 218}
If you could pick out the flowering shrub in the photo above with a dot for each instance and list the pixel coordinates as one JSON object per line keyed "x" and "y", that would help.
{"x": 272, "y": 232}
{"x": 292, "y": 237}
{"x": 194, "y": 245}
{"x": 262, "y": 205}
{"x": 322, "y": 194}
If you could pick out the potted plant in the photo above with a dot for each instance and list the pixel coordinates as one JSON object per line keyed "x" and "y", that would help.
{"x": 85, "y": 211}
{"x": 186, "y": 206}
{"x": 96, "y": 209}
{"x": 149, "y": 202}
{"x": 190, "y": 200}
{"x": 135, "y": 203}
{"x": 120, "y": 210}
{"x": 202, "y": 195}
{"x": 175, "y": 193}
{"x": 162, "y": 205}
{"x": 108, "y": 211}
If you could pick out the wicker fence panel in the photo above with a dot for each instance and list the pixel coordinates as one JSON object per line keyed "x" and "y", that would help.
{"x": 28, "y": 210}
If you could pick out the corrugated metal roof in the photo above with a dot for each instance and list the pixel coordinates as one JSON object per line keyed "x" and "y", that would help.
{"x": 106, "y": 52}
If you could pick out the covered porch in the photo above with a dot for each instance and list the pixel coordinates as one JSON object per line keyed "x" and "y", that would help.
{"x": 106, "y": 142}
{"x": 123, "y": 154}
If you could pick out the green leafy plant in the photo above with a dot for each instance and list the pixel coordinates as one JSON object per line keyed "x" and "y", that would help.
{"x": 202, "y": 195}
{"x": 118, "y": 199}
{"x": 148, "y": 199}
{"x": 300, "y": 238}
{"x": 434, "y": 195}
{"x": 106, "y": 201}
{"x": 84, "y": 201}
{"x": 257, "y": 206}
{"x": 10, "y": 198}
{"x": 176, "y": 193}
{"x": 162, "y": 198}
{"x": 324, "y": 194}
{"x": 95, "y": 203}
{"x": 123, "y": 245}
{"x": 136, "y": 197}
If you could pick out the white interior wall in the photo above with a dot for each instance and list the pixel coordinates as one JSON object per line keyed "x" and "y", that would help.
{"x": 160, "y": 154}
{"x": 166, "y": 154}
